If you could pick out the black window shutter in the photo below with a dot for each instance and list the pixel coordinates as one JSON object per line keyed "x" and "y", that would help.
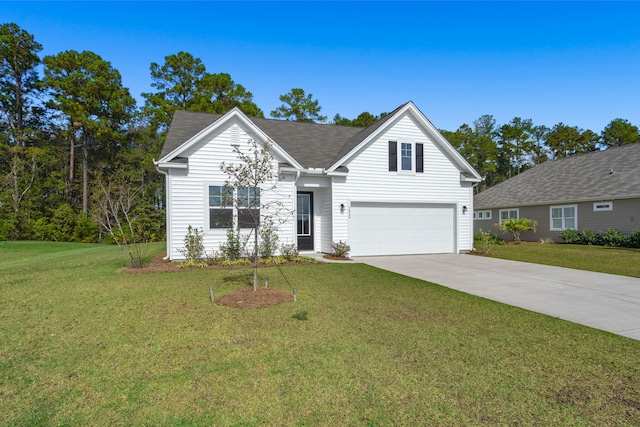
{"x": 393, "y": 156}
{"x": 419, "y": 157}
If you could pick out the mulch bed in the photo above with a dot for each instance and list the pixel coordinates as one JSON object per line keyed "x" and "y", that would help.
{"x": 242, "y": 298}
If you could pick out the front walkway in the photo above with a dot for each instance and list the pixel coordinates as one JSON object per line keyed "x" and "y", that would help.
{"x": 602, "y": 301}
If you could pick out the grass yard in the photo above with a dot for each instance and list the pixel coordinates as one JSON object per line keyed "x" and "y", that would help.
{"x": 82, "y": 345}
{"x": 622, "y": 261}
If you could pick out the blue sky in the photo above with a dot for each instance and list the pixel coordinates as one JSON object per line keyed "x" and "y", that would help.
{"x": 571, "y": 62}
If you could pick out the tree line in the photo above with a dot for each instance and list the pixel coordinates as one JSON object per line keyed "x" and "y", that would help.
{"x": 72, "y": 135}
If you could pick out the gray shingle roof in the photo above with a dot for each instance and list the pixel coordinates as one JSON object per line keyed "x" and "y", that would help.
{"x": 311, "y": 144}
{"x": 579, "y": 178}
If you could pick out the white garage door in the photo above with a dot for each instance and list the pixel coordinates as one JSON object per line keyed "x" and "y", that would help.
{"x": 401, "y": 229}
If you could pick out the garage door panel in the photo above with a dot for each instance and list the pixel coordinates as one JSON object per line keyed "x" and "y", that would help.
{"x": 400, "y": 228}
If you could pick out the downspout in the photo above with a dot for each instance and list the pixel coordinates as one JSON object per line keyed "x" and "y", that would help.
{"x": 167, "y": 213}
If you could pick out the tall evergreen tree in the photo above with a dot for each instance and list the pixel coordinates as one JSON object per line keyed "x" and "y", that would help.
{"x": 19, "y": 113}
{"x": 298, "y": 106}
{"x": 620, "y": 132}
{"x": 88, "y": 91}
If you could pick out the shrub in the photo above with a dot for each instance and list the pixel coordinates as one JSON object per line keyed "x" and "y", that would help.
{"x": 235, "y": 246}
{"x": 289, "y": 251}
{"x": 570, "y": 236}
{"x": 485, "y": 242}
{"x": 193, "y": 245}
{"x": 517, "y": 226}
{"x": 546, "y": 241}
{"x": 633, "y": 239}
{"x": 612, "y": 237}
{"x": 589, "y": 237}
{"x": 340, "y": 249}
{"x": 268, "y": 239}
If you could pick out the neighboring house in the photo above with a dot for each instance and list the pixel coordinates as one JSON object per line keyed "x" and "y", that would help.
{"x": 593, "y": 191}
{"x": 396, "y": 187}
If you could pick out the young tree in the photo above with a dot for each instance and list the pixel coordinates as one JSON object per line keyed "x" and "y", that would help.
{"x": 114, "y": 210}
{"x": 299, "y": 107}
{"x": 620, "y": 132}
{"x": 88, "y": 91}
{"x": 250, "y": 180}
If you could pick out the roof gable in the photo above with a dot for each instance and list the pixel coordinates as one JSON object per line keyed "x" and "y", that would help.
{"x": 601, "y": 175}
{"x": 188, "y": 128}
{"x": 305, "y": 145}
{"x": 366, "y": 136}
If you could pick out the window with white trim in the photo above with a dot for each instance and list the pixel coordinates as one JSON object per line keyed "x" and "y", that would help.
{"x": 406, "y": 157}
{"x": 481, "y": 215}
{"x": 222, "y": 213}
{"x": 602, "y": 206}
{"x": 506, "y": 214}
{"x": 564, "y": 217}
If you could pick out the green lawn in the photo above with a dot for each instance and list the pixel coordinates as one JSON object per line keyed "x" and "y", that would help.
{"x": 82, "y": 345}
{"x": 622, "y": 261}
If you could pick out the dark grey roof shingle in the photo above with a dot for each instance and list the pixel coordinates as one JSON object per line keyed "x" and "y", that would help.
{"x": 311, "y": 144}
{"x": 583, "y": 177}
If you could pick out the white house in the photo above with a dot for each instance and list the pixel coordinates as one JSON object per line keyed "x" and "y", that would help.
{"x": 395, "y": 187}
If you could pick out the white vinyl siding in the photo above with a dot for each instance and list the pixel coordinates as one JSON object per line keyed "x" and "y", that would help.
{"x": 564, "y": 217}
{"x": 370, "y": 181}
{"x": 188, "y": 198}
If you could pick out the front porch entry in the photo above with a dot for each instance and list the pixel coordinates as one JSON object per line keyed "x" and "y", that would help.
{"x": 304, "y": 219}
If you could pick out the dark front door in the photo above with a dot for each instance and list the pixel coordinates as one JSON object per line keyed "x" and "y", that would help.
{"x": 305, "y": 221}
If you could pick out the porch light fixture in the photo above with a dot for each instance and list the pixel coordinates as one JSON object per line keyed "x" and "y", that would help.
{"x": 341, "y": 208}
{"x": 464, "y": 209}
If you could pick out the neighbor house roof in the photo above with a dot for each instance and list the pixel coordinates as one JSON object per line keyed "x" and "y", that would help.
{"x": 601, "y": 175}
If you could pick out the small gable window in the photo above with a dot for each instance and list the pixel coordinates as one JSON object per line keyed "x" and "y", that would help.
{"x": 406, "y": 157}
{"x": 602, "y": 206}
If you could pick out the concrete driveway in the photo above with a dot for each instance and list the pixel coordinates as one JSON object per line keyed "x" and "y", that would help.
{"x": 602, "y": 301}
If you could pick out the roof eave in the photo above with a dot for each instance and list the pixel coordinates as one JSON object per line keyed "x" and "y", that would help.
{"x": 559, "y": 202}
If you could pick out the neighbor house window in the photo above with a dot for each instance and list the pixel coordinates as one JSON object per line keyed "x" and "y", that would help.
{"x": 564, "y": 217}
{"x": 406, "y": 157}
{"x": 482, "y": 215}
{"x": 602, "y": 206}
{"x": 506, "y": 214}
{"x": 221, "y": 206}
